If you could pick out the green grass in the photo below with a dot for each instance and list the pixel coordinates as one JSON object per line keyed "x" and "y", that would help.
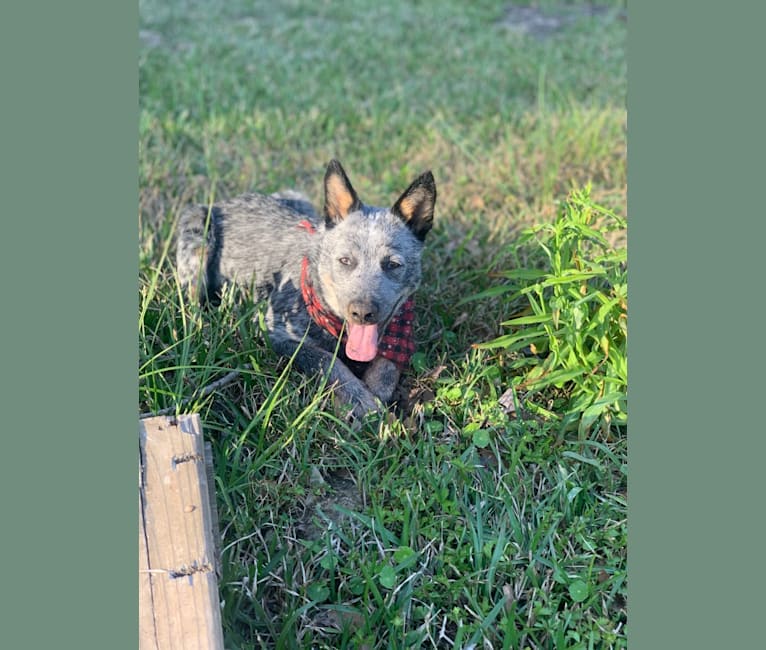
{"x": 476, "y": 518}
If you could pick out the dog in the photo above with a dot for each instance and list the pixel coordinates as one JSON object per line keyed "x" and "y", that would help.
{"x": 338, "y": 286}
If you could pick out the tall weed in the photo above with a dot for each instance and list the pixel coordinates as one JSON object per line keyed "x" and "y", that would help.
{"x": 572, "y": 332}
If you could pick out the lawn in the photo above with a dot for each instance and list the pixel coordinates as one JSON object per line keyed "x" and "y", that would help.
{"x": 491, "y": 511}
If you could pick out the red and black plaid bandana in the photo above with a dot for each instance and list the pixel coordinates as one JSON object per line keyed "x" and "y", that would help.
{"x": 397, "y": 343}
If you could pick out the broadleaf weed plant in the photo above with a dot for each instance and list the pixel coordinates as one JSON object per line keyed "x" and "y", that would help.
{"x": 572, "y": 333}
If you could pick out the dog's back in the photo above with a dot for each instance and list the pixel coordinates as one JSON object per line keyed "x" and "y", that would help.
{"x": 249, "y": 238}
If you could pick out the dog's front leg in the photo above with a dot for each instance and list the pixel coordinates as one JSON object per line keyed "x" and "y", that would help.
{"x": 381, "y": 378}
{"x": 347, "y": 387}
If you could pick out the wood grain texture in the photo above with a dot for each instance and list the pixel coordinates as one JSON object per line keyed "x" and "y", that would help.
{"x": 178, "y": 587}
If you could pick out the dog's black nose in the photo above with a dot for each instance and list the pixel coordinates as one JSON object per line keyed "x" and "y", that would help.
{"x": 363, "y": 313}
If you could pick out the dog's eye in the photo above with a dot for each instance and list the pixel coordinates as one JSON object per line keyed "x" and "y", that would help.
{"x": 345, "y": 261}
{"x": 390, "y": 265}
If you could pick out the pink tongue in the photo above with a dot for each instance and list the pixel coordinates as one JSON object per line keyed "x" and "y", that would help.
{"x": 362, "y": 343}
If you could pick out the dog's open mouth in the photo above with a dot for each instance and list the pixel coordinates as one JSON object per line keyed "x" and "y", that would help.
{"x": 362, "y": 342}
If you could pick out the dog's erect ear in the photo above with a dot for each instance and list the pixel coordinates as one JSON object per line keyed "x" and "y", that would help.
{"x": 416, "y": 206}
{"x": 340, "y": 199}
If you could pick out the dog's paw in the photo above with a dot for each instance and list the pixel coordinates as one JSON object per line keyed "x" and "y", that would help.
{"x": 366, "y": 406}
{"x": 354, "y": 402}
{"x": 359, "y": 414}
{"x": 382, "y": 378}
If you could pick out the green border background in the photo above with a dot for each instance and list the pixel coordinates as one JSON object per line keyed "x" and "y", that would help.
{"x": 696, "y": 450}
{"x": 69, "y": 242}
{"x": 68, "y": 143}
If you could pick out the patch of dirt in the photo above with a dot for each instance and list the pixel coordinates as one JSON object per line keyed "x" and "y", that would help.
{"x": 542, "y": 23}
{"x": 337, "y": 489}
{"x": 149, "y": 38}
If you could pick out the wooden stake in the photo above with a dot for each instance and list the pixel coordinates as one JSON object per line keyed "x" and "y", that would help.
{"x": 178, "y": 588}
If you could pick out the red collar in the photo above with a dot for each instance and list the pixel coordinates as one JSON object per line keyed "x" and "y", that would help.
{"x": 397, "y": 343}
{"x": 326, "y": 320}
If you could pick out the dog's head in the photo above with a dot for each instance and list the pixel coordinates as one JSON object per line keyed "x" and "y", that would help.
{"x": 369, "y": 258}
